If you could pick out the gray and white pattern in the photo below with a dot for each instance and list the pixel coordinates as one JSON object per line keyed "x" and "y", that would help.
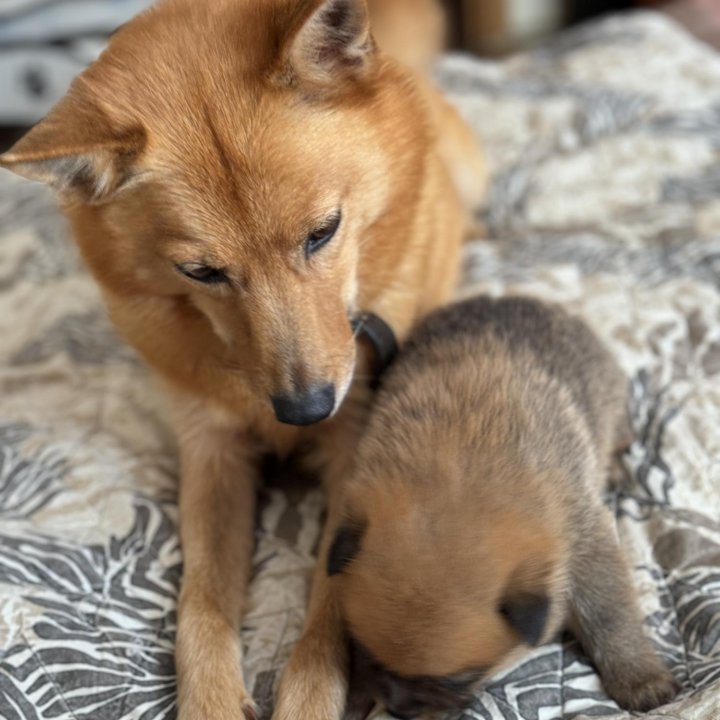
{"x": 45, "y": 43}
{"x": 605, "y": 197}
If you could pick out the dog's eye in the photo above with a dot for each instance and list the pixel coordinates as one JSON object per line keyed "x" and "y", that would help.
{"x": 323, "y": 235}
{"x": 202, "y": 273}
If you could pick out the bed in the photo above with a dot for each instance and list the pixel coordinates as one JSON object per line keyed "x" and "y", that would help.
{"x": 605, "y": 197}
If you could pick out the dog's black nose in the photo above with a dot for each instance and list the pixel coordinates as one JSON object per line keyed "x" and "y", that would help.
{"x": 305, "y": 408}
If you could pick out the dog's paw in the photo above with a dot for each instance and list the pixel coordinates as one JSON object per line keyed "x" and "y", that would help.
{"x": 222, "y": 700}
{"x": 310, "y": 698}
{"x": 250, "y": 710}
{"x": 246, "y": 710}
{"x": 644, "y": 687}
{"x": 313, "y": 686}
{"x": 209, "y": 710}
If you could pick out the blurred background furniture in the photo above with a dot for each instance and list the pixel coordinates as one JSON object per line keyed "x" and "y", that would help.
{"x": 45, "y": 43}
{"x": 495, "y": 27}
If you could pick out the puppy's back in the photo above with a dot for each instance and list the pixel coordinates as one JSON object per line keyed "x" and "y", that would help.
{"x": 533, "y": 335}
{"x": 479, "y": 470}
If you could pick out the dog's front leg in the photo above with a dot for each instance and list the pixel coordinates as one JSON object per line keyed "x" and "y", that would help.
{"x": 314, "y": 684}
{"x": 217, "y": 496}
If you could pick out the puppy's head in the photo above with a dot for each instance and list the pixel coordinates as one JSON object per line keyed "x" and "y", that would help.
{"x": 222, "y": 165}
{"x": 439, "y": 591}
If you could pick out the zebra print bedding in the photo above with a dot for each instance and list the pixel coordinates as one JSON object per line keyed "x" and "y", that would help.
{"x": 605, "y": 197}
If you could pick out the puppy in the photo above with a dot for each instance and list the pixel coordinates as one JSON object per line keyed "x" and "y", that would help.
{"x": 474, "y": 524}
{"x": 243, "y": 177}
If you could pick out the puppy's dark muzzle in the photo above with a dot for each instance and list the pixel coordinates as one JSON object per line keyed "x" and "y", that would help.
{"x": 403, "y": 697}
{"x": 305, "y": 408}
{"x": 401, "y": 714}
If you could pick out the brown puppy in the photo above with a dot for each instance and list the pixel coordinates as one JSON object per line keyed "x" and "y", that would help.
{"x": 242, "y": 177}
{"x": 474, "y": 520}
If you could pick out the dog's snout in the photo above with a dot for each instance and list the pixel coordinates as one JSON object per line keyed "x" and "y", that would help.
{"x": 305, "y": 408}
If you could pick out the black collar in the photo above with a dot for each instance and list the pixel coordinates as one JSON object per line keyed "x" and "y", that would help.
{"x": 375, "y": 331}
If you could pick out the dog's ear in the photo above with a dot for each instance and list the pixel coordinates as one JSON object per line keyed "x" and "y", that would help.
{"x": 76, "y": 151}
{"x": 333, "y": 42}
{"x": 526, "y": 600}
{"x": 344, "y": 548}
{"x": 527, "y": 614}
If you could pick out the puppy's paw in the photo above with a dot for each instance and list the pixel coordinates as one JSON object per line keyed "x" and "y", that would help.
{"x": 644, "y": 687}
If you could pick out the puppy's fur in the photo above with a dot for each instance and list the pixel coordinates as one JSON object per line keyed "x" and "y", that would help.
{"x": 474, "y": 520}
{"x": 223, "y": 138}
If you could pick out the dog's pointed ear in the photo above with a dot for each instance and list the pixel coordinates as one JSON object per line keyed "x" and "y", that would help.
{"x": 333, "y": 42}
{"x": 527, "y": 614}
{"x": 77, "y": 152}
{"x": 344, "y": 548}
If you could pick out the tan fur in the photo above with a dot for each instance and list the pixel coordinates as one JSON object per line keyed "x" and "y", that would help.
{"x": 223, "y": 133}
{"x": 397, "y": 622}
{"x": 454, "y": 518}
{"x": 474, "y": 523}
{"x": 413, "y": 31}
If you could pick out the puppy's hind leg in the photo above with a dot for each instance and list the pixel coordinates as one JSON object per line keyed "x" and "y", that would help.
{"x": 607, "y": 620}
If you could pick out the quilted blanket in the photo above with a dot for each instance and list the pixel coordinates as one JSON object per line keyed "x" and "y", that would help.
{"x": 605, "y": 197}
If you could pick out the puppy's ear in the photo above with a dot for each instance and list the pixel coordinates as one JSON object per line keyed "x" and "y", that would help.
{"x": 76, "y": 151}
{"x": 527, "y": 614}
{"x": 331, "y": 43}
{"x": 344, "y": 548}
